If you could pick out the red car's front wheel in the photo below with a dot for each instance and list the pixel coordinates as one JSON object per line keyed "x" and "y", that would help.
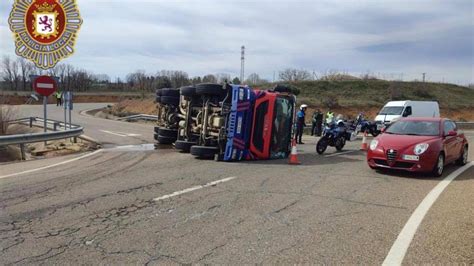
{"x": 439, "y": 166}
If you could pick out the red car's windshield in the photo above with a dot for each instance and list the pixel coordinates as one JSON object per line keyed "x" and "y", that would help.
{"x": 418, "y": 128}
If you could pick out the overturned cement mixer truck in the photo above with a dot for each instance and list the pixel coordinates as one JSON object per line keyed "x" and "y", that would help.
{"x": 227, "y": 122}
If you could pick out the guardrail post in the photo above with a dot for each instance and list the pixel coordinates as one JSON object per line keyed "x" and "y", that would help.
{"x": 75, "y": 139}
{"x": 22, "y": 151}
{"x": 55, "y": 126}
{"x": 31, "y": 122}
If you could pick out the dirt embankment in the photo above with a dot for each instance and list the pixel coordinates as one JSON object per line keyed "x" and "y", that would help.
{"x": 148, "y": 106}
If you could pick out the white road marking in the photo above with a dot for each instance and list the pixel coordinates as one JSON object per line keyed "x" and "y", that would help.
{"x": 401, "y": 245}
{"x": 338, "y": 153}
{"x": 121, "y": 134}
{"x": 177, "y": 193}
{"x": 50, "y": 166}
{"x": 113, "y": 133}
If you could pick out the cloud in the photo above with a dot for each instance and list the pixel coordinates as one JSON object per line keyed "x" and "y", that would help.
{"x": 205, "y": 36}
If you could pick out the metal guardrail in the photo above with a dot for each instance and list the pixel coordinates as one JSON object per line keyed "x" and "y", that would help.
{"x": 140, "y": 117}
{"x": 69, "y": 131}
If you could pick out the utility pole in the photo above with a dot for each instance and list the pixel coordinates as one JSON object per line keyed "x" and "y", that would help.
{"x": 424, "y": 75}
{"x": 242, "y": 65}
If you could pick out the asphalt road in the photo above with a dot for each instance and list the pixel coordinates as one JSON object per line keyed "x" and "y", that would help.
{"x": 332, "y": 209}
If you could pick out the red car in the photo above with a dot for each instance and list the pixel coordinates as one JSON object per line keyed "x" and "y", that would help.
{"x": 419, "y": 145}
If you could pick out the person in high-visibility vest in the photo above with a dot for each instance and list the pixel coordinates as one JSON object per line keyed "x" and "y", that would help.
{"x": 59, "y": 99}
{"x": 329, "y": 117}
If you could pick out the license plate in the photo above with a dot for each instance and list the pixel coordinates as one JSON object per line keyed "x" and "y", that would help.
{"x": 380, "y": 126}
{"x": 411, "y": 157}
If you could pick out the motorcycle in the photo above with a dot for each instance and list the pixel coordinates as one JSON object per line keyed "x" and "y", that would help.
{"x": 334, "y": 135}
{"x": 363, "y": 125}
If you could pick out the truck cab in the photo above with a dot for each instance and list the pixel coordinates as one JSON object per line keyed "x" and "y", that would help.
{"x": 255, "y": 124}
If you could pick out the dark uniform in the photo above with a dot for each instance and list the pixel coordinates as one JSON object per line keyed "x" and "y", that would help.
{"x": 300, "y": 124}
{"x": 317, "y": 124}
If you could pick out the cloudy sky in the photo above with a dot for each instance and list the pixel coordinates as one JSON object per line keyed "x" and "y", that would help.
{"x": 393, "y": 39}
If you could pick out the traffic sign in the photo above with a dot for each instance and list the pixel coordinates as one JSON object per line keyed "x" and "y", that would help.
{"x": 45, "y": 85}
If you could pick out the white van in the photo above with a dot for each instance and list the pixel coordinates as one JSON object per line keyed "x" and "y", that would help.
{"x": 398, "y": 109}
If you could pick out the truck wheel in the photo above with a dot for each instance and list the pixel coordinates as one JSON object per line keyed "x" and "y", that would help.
{"x": 170, "y": 92}
{"x": 158, "y": 92}
{"x": 157, "y": 130}
{"x": 169, "y": 100}
{"x": 170, "y": 133}
{"x": 158, "y": 99}
{"x": 210, "y": 89}
{"x": 165, "y": 140}
{"x": 204, "y": 151}
{"x": 188, "y": 91}
{"x": 282, "y": 88}
{"x": 184, "y": 146}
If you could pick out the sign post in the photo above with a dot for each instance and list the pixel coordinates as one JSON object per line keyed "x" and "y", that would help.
{"x": 45, "y": 86}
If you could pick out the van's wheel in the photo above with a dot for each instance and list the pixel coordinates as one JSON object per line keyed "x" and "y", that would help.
{"x": 211, "y": 89}
{"x": 170, "y": 133}
{"x": 170, "y": 92}
{"x": 188, "y": 91}
{"x": 184, "y": 146}
{"x": 439, "y": 166}
{"x": 165, "y": 140}
{"x": 463, "y": 159}
{"x": 204, "y": 151}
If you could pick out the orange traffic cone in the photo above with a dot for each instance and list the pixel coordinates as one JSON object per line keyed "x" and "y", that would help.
{"x": 294, "y": 154}
{"x": 364, "y": 145}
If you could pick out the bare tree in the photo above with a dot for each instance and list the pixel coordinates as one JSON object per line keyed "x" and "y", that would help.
{"x": 10, "y": 72}
{"x": 26, "y": 69}
{"x": 223, "y": 77}
{"x": 293, "y": 74}
{"x": 209, "y": 78}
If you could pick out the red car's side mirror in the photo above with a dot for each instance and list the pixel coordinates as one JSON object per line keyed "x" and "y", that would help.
{"x": 452, "y": 133}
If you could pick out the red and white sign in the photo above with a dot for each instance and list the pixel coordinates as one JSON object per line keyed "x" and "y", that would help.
{"x": 44, "y": 85}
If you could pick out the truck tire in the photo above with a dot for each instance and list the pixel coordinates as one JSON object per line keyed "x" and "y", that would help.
{"x": 170, "y": 133}
{"x": 184, "y": 146}
{"x": 210, "y": 89}
{"x": 169, "y": 100}
{"x": 188, "y": 91}
{"x": 282, "y": 88}
{"x": 170, "y": 92}
{"x": 157, "y": 130}
{"x": 165, "y": 140}
{"x": 158, "y": 92}
{"x": 204, "y": 151}
{"x": 158, "y": 99}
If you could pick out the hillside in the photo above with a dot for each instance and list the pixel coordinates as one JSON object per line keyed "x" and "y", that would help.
{"x": 375, "y": 93}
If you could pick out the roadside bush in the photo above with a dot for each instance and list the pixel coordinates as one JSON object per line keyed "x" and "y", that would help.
{"x": 330, "y": 102}
{"x": 423, "y": 93}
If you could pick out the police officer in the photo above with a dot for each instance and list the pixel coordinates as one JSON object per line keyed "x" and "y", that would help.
{"x": 317, "y": 123}
{"x": 300, "y": 123}
{"x": 59, "y": 101}
{"x": 329, "y": 117}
